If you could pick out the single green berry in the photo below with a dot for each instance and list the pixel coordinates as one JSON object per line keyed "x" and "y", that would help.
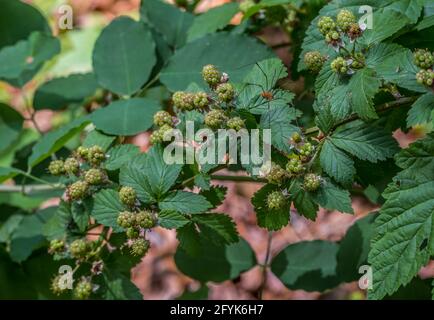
{"x": 314, "y": 61}
{"x": 163, "y": 117}
{"x": 215, "y": 119}
{"x": 79, "y": 248}
{"x": 82, "y": 152}
{"x": 235, "y": 123}
{"x": 144, "y": 219}
{"x": 72, "y": 166}
{"x": 345, "y": 19}
{"x": 311, "y": 182}
{"x": 276, "y": 200}
{"x": 83, "y": 289}
{"x": 95, "y": 176}
{"x": 306, "y": 151}
{"x": 78, "y": 190}
{"x": 95, "y": 155}
{"x": 132, "y": 233}
{"x": 339, "y": 65}
{"x": 57, "y": 287}
{"x": 126, "y": 219}
{"x": 276, "y": 174}
{"x": 332, "y": 37}
{"x": 211, "y": 75}
{"x": 156, "y": 137}
{"x": 162, "y": 134}
{"x": 127, "y": 195}
{"x": 183, "y": 100}
{"x": 56, "y": 167}
{"x": 424, "y": 59}
{"x": 354, "y": 31}
{"x": 294, "y": 166}
{"x": 200, "y": 100}
{"x": 296, "y": 138}
{"x": 56, "y": 246}
{"x": 139, "y": 247}
{"x": 425, "y": 77}
{"x": 225, "y": 92}
{"x": 326, "y": 24}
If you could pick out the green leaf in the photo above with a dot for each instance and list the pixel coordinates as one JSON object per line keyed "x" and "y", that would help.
{"x": 126, "y": 117}
{"x": 57, "y": 225}
{"x": 215, "y": 195}
{"x": 271, "y": 219}
{"x": 134, "y": 177}
{"x": 332, "y": 197}
{"x": 303, "y": 201}
{"x": 54, "y": 140}
{"x": 170, "y": 21}
{"x": 233, "y": 54}
{"x": 222, "y": 225}
{"x": 124, "y": 56}
{"x": 21, "y": 61}
{"x": 12, "y": 28}
{"x": 412, "y": 9}
{"x": 189, "y": 239}
{"x": 212, "y": 20}
{"x": 203, "y": 181}
{"x": 185, "y": 202}
{"x": 119, "y": 287}
{"x": 364, "y": 85}
{"x": 80, "y": 215}
{"x": 58, "y": 93}
{"x": 421, "y": 110}
{"x": 337, "y": 163}
{"x": 9, "y": 226}
{"x": 96, "y": 138}
{"x": 11, "y": 124}
{"x": 107, "y": 207}
{"x": 307, "y": 265}
{"x": 404, "y": 237}
{"x": 216, "y": 263}
{"x": 120, "y": 155}
{"x": 171, "y": 219}
{"x": 366, "y": 142}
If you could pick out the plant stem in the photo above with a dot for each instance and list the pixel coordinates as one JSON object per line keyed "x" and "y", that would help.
{"x": 265, "y": 266}
{"x": 29, "y": 188}
{"x": 237, "y": 178}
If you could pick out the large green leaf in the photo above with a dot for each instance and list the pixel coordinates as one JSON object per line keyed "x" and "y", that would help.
{"x": 364, "y": 85}
{"x": 336, "y": 163}
{"x": 124, "y": 56}
{"x": 126, "y": 117}
{"x": 170, "y": 21}
{"x": 185, "y": 202}
{"x": 216, "y": 263}
{"x": 412, "y": 9}
{"x": 107, "y": 207}
{"x": 54, "y": 140}
{"x": 421, "y": 110}
{"x": 307, "y": 265}
{"x": 212, "y": 20}
{"x": 58, "y": 93}
{"x": 11, "y": 124}
{"x": 404, "y": 232}
{"x": 233, "y": 54}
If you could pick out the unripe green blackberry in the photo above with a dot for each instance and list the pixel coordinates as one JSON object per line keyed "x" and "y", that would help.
{"x": 358, "y": 61}
{"x": 132, "y": 233}
{"x": 127, "y": 195}
{"x": 56, "y": 286}
{"x": 339, "y": 65}
{"x": 344, "y": 19}
{"x": 78, "y": 190}
{"x": 215, "y": 119}
{"x": 296, "y": 138}
{"x": 235, "y": 123}
{"x": 82, "y": 152}
{"x": 294, "y": 166}
{"x": 425, "y": 77}
{"x": 211, "y": 75}
{"x": 306, "y": 151}
{"x": 276, "y": 200}
{"x": 314, "y": 61}
{"x": 424, "y": 59}
{"x": 56, "y": 167}
{"x": 95, "y": 155}
{"x": 56, "y": 246}
{"x": 311, "y": 182}
{"x": 200, "y": 100}
{"x": 94, "y": 176}
{"x": 79, "y": 248}
{"x": 144, "y": 219}
{"x": 354, "y": 31}
{"x": 332, "y": 37}
{"x": 163, "y": 117}
{"x": 183, "y": 100}
{"x": 139, "y": 247}
{"x": 126, "y": 219}
{"x": 72, "y": 166}
{"x": 156, "y": 137}
{"x": 276, "y": 175}
{"x": 83, "y": 290}
{"x": 225, "y": 92}
{"x": 326, "y": 24}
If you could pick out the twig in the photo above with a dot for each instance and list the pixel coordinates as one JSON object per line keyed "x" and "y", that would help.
{"x": 265, "y": 266}
{"x": 237, "y": 178}
{"x": 29, "y": 188}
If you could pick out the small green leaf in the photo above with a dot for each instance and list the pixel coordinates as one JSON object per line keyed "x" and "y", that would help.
{"x": 215, "y": 195}
{"x": 96, "y": 138}
{"x": 222, "y": 225}
{"x": 107, "y": 207}
{"x": 171, "y": 219}
{"x": 364, "y": 85}
{"x": 336, "y": 163}
{"x": 303, "y": 201}
{"x": 57, "y": 225}
{"x": 185, "y": 202}
{"x": 421, "y": 110}
{"x": 11, "y": 124}
{"x": 331, "y": 197}
{"x": 120, "y": 156}
{"x": 134, "y": 177}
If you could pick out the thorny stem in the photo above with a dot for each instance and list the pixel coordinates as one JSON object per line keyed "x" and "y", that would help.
{"x": 30, "y": 188}
{"x": 237, "y": 178}
{"x": 265, "y": 265}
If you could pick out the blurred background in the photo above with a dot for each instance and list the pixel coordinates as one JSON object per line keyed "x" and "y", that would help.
{"x": 157, "y": 276}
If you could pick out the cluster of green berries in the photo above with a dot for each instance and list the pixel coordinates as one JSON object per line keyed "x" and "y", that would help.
{"x": 225, "y": 92}
{"x": 314, "y": 61}
{"x": 311, "y": 182}
{"x": 186, "y": 101}
{"x": 128, "y": 196}
{"x": 83, "y": 289}
{"x": 80, "y": 248}
{"x": 294, "y": 165}
{"x": 143, "y": 219}
{"x": 345, "y": 24}
{"x": 56, "y": 246}
{"x": 276, "y": 175}
{"x": 345, "y": 19}
{"x": 140, "y": 247}
{"x": 211, "y": 75}
{"x": 276, "y": 200}
{"x": 215, "y": 119}
{"x": 424, "y": 59}
{"x": 340, "y": 65}
{"x": 165, "y": 122}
